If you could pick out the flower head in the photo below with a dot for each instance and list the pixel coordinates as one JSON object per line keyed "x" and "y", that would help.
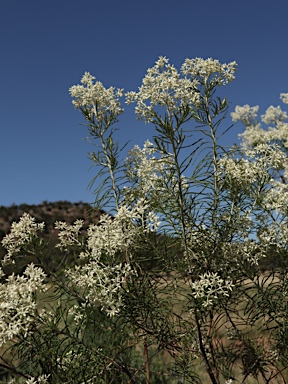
{"x": 209, "y": 69}
{"x": 95, "y": 99}
{"x": 163, "y": 87}
{"x": 68, "y": 234}
{"x": 17, "y": 302}
{"x": 246, "y": 114}
{"x": 210, "y": 287}
{"x": 21, "y": 234}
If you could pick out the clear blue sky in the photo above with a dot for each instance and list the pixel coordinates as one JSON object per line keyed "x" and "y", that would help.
{"x": 46, "y": 46}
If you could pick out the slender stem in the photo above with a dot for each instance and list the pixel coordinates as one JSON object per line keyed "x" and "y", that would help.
{"x": 111, "y": 170}
{"x": 147, "y": 367}
{"x": 215, "y": 159}
{"x": 203, "y": 352}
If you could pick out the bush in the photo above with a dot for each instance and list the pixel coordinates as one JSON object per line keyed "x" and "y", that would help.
{"x": 166, "y": 288}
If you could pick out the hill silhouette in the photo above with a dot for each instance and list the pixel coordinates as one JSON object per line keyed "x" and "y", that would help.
{"x": 48, "y": 212}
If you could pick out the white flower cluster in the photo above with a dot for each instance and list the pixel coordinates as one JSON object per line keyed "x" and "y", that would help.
{"x": 254, "y": 133}
{"x": 241, "y": 171}
{"x": 42, "y": 379}
{"x": 274, "y": 115}
{"x": 101, "y": 285}
{"x": 95, "y": 98}
{"x": 68, "y": 234}
{"x": 268, "y": 156}
{"x": 21, "y": 233}
{"x": 246, "y": 114}
{"x": 148, "y": 173}
{"x": 251, "y": 252}
{"x": 17, "y": 302}
{"x": 162, "y": 86}
{"x": 119, "y": 233}
{"x": 284, "y": 97}
{"x": 275, "y": 233}
{"x": 210, "y": 287}
{"x": 260, "y": 161}
{"x": 210, "y": 69}
{"x": 277, "y": 197}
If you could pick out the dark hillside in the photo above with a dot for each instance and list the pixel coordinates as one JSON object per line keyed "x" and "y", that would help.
{"x": 49, "y": 213}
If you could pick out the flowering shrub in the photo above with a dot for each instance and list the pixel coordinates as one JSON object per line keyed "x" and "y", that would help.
{"x": 166, "y": 287}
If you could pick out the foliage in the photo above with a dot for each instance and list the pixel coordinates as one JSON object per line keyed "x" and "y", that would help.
{"x": 167, "y": 287}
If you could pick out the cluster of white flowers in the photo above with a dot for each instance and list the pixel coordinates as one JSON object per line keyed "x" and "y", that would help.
{"x": 274, "y": 115}
{"x": 210, "y": 287}
{"x": 251, "y": 252}
{"x": 78, "y": 312}
{"x": 96, "y": 99}
{"x": 268, "y": 156}
{"x": 275, "y": 233}
{"x": 148, "y": 173}
{"x": 42, "y": 379}
{"x": 142, "y": 165}
{"x": 284, "y": 97}
{"x": 68, "y": 234}
{"x": 100, "y": 285}
{"x": 210, "y": 69}
{"x": 242, "y": 171}
{"x": 162, "y": 86}
{"x": 17, "y": 302}
{"x": 276, "y": 198}
{"x": 21, "y": 233}
{"x": 119, "y": 233}
{"x": 257, "y": 166}
{"x": 254, "y": 133}
{"x": 246, "y": 114}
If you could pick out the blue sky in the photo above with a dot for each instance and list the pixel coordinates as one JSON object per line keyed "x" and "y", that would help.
{"x": 46, "y": 46}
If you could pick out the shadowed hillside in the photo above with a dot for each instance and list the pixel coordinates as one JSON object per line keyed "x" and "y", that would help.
{"x": 49, "y": 213}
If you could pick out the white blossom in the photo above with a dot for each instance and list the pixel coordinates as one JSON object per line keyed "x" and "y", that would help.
{"x": 148, "y": 173}
{"x": 246, "y": 114}
{"x": 17, "y": 302}
{"x": 242, "y": 170}
{"x": 42, "y": 379}
{"x": 95, "y": 98}
{"x": 269, "y": 156}
{"x": 162, "y": 86}
{"x": 284, "y": 97}
{"x": 21, "y": 233}
{"x": 274, "y": 115}
{"x": 121, "y": 232}
{"x": 101, "y": 285}
{"x": 254, "y": 134}
{"x": 210, "y": 69}
{"x": 277, "y": 197}
{"x": 210, "y": 287}
{"x": 68, "y": 234}
{"x": 259, "y": 162}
